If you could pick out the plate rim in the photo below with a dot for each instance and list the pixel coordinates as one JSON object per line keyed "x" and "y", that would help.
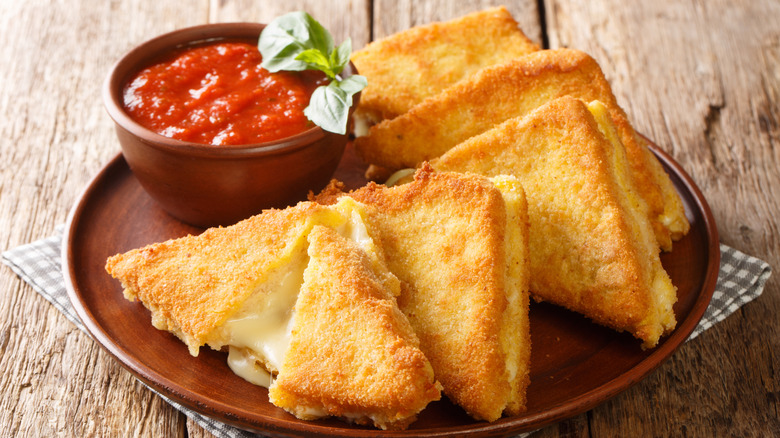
{"x": 506, "y": 425}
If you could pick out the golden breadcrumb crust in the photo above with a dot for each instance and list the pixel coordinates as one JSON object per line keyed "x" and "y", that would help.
{"x": 405, "y": 68}
{"x": 352, "y": 354}
{"x": 513, "y": 89}
{"x": 515, "y": 328}
{"x": 444, "y": 236}
{"x": 588, "y": 243}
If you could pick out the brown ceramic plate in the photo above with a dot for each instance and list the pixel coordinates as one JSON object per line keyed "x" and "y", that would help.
{"x": 575, "y": 366}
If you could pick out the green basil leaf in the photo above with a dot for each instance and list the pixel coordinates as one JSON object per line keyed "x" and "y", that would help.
{"x": 279, "y": 47}
{"x": 287, "y": 36}
{"x": 340, "y": 57}
{"x": 316, "y": 60}
{"x": 317, "y": 36}
{"x": 329, "y": 108}
{"x": 296, "y": 42}
{"x": 284, "y": 59}
{"x": 329, "y": 104}
{"x": 353, "y": 84}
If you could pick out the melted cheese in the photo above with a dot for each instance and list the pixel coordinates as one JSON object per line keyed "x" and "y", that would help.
{"x": 361, "y": 125}
{"x": 355, "y": 230}
{"x": 400, "y": 177}
{"x": 258, "y": 335}
{"x": 245, "y": 365}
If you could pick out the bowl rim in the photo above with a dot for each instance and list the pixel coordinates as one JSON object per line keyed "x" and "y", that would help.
{"x": 144, "y": 54}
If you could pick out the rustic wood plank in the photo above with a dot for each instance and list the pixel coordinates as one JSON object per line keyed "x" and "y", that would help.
{"x": 55, "y": 380}
{"x": 702, "y": 80}
{"x": 343, "y": 19}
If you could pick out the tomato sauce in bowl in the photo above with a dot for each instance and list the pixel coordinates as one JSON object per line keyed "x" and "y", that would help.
{"x": 217, "y": 94}
{"x": 206, "y": 185}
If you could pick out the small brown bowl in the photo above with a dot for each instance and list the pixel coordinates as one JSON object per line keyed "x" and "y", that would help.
{"x": 205, "y": 185}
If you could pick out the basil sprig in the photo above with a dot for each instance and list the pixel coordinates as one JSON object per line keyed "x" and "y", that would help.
{"x": 296, "y": 42}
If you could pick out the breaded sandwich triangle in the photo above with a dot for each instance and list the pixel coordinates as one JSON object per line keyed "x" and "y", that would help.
{"x": 591, "y": 245}
{"x": 458, "y": 243}
{"x": 405, "y": 68}
{"x": 238, "y": 289}
{"x": 513, "y": 89}
{"x": 352, "y": 353}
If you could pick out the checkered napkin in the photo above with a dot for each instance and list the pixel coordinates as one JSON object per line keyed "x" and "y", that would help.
{"x": 741, "y": 279}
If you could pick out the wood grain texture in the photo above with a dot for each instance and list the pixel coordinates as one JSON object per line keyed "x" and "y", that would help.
{"x": 700, "y": 78}
{"x": 55, "y": 380}
{"x": 344, "y": 19}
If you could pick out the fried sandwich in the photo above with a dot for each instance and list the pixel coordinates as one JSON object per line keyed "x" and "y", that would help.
{"x": 352, "y": 352}
{"x": 592, "y": 247}
{"x": 513, "y": 89}
{"x": 458, "y": 244}
{"x": 405, "y": 68}
{"x": 257, "y": 289}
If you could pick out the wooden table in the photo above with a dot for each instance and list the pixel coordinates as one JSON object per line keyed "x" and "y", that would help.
{"x": 700, "y": 78}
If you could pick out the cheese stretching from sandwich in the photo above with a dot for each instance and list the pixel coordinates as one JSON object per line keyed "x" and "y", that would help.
{"x": 514, "y": 89}
{"x": 353, "y": 354}
{"x": 238, "y": 288}
{"x": 458, "y": 245}
{"x": 195, "y": 284}
{"x": 591, "y": 245}
{"x": 406, "y": 68}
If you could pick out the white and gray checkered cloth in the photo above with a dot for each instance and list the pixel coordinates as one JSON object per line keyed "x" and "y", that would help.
{"x": 741, "y": 279}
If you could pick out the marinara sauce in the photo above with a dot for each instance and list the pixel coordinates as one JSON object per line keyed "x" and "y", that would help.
{"x": 218, "y": 94}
